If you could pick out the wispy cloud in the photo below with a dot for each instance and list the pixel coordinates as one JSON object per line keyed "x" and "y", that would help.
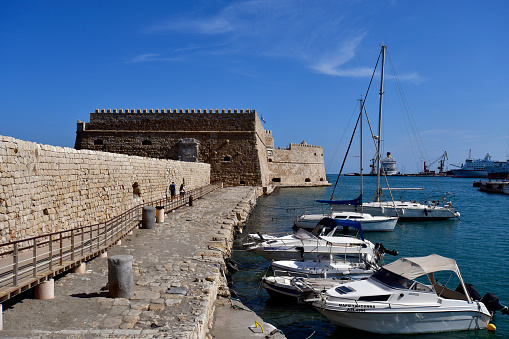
{"x": 150, "y": 57}
{"x": 324, "y": 38}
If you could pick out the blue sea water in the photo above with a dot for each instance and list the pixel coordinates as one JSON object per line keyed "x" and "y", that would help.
{"x": 479, "y": 242}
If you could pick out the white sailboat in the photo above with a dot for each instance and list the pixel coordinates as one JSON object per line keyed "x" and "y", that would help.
{"x": 405, "y": 210}
{"x": 369, "y": 222}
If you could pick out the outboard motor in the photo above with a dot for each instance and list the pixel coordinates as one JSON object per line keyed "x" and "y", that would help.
{"x": 492, "y": 303}
{"x": 379, "y": 247}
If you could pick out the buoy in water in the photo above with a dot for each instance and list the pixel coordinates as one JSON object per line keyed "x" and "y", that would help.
{"x": 491, "y": 327}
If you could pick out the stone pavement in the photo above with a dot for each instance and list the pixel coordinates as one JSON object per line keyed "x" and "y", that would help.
{"x": 179, "y": 279}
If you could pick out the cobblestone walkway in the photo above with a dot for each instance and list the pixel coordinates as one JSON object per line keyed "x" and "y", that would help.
{"x": 177, "y": 278}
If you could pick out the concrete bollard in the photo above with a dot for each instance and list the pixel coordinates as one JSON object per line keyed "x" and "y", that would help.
{"x": 45, "y": 290}
{"x": 81, "y": 268}
{"x": 159, "y": 213}
{"x": 120, "y": 276}
{"x": 148, "y": 217}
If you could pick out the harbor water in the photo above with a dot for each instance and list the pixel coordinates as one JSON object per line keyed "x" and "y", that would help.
{"x": 479, "y": 242}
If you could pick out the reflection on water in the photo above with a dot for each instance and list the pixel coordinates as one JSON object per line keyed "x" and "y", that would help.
{"x": 479, "y": 242}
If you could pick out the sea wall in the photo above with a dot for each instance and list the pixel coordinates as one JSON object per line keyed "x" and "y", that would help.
{"x": 46, "y": 188}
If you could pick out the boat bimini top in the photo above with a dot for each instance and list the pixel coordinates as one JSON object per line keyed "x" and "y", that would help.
{"x": 412, "y": 268}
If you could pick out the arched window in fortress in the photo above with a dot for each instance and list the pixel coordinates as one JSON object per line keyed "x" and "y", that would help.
{"x": 307, "y": 180}
{"x": 227, "y": 158}
{"x": 146, "y": 142}
{"x": 98, "y": 142}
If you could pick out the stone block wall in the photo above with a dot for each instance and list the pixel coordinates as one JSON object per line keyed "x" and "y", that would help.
{"x": 233, "y": 142}
{"x": 227, "y": 140}
{"x": 297, "y": 165}
{"x": 46, "y": 189}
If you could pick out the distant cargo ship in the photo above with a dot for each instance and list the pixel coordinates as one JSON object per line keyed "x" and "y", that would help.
{"x": 474, "y": 168}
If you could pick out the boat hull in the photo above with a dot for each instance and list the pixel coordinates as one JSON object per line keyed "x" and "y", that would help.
{"x": 316, "y": 254}
{"x": 308, "y": 222}
{"x": 469, "y": 173}
{"x": 411, "y": 321}
{"x": 405, "y": 213}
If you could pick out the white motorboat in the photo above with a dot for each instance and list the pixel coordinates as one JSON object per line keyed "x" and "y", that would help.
{"x": 285, "y": 284}
{"x": 329, "y": 267}
{"x": 305, "y": 246}
{"x": 368, "y": 222}
{"x": 393, "y": 301}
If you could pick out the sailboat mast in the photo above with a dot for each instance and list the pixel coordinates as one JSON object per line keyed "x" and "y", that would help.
{"x": 378, "y": 164}
{"x": 360, "y": 168}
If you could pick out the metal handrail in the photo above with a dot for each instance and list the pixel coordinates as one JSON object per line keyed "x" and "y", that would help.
{"x": 46, "y": 255}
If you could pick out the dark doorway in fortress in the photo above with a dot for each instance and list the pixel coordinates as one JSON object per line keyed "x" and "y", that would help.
{"x": 146, "y": 142}
{"x": 276, "y": 179}
{"x": 98, "y": 142}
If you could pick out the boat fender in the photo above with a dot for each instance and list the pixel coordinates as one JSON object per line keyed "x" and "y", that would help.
{"x": 491, "y": 327}
{"x": 426, "y": 211}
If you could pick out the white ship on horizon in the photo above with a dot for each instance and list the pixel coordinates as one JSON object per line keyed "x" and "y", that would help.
{"x": 474, "y": 168}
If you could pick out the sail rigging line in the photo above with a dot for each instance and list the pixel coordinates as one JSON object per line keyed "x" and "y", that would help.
{"x": 407, "y": 115}
{"x": 365, "y": 97}
{"x": 339, "y": 143}
{"x": 344, "y": 159}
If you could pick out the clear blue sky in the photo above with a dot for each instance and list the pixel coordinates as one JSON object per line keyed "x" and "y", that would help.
{"x": 301, "y": 64}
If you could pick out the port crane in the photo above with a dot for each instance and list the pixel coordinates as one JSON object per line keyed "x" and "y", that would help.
{"x": 440, "y": 168}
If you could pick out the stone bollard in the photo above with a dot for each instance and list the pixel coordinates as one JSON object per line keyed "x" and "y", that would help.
{"x": 148, "y": 217}
{"x": 190, "y": 200}
{"x": 120, "y": 276}
{"x": 81, "y": 268}
{"x": 45, "y": 290}
{"x": 159, "y": 213}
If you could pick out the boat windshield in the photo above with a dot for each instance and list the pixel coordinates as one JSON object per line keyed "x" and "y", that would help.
{"x": 392, "y": 279}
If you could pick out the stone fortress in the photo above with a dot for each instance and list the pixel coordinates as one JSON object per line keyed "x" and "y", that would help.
{"x": 235, "y": 144}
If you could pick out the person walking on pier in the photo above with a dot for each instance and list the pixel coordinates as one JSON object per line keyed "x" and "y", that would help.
{"x": 172, "y": 190}
{"x": 182, "y": 190}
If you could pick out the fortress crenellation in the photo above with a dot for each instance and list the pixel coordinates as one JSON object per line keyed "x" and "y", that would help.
{"x": 174, "y": 110}
{"x": 233, "y": 141}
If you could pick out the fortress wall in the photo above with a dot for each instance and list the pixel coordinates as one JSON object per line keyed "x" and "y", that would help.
{"x": 299, "y": 165}
{"x": 183, "y": 121}
{"x": 263, "y": 138}
{"x": 227, "y": 141}
{"x": 46, "y": 188}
